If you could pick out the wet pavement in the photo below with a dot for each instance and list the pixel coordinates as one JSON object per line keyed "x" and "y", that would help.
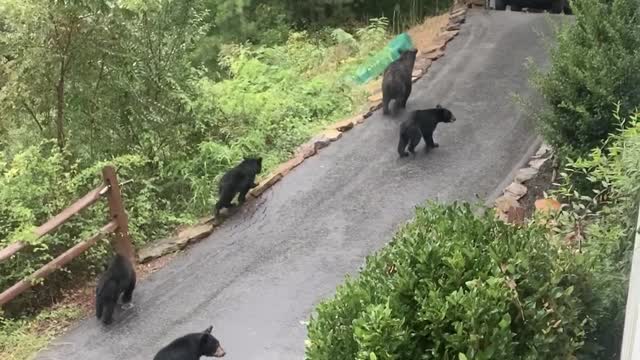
{"x": 259, "y": 275}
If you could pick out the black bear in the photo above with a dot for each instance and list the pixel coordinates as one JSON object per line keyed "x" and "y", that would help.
{"x": 421, "y": 124}
{"x": 191, "y": 347}
{"x": 238, "y": 180}
{"x": 396, "y": 82}
{"x": 118, "y": 279}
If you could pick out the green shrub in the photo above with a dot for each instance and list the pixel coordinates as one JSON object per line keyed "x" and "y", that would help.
{"x": 601, "y": 224}
{"x": 593, "y": 65}
{"x": 39, "y": 182}
{"x": 450, "y": 285}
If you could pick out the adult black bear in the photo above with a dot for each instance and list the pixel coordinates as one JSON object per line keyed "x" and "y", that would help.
{"x": 421, "y": 124}
{"x": 238, "y": 180}
{"x": 191, "y": 347}
{"x": 396, "y": 82}
{"x": 118, "y": 279}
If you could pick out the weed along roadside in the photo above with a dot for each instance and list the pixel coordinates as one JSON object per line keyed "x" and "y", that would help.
{"x": 432, "y": 49}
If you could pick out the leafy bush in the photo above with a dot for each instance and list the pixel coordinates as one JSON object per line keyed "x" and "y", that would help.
{"x": 452, "y": 285}
{"x": 403, "y": 13}
{"x": 593, "y": 65}
{"x": 601, "y": 224}
{"x": 39, "y": 182}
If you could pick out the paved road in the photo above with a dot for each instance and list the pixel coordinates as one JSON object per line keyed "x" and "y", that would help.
{"x": 261, "y": 273}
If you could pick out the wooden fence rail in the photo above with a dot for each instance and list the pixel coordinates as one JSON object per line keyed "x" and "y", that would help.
{"x": 118, "y": 225}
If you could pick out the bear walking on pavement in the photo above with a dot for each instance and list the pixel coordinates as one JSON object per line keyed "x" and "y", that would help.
{"x": 239, "y": 180}
{"x": 422, "y": 124}
{"x": 192, "y": 347}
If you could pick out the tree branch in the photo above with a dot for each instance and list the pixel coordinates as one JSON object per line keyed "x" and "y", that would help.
{"x": 33, "y": 116}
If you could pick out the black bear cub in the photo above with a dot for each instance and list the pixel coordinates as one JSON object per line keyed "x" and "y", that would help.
{"x": 191, "y": 347}
{"x": 118, "y": 279}
{"x": 421, "y": 124}
{"x": 238, "y": 180}
{"x": 396, "y": 81}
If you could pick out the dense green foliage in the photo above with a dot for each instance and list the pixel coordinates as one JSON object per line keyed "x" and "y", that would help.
{"x": 601, "y": 223}
{"x": 270, "y": 22}
{"x": 453, "y": 283}
{"x": 115, "y": 82}
{"x": 593, "y": 65}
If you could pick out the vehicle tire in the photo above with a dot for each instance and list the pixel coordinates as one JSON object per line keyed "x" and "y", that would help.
{"x": 500, "y": 4}
{"x": 557, "y": 6}
{"x": 515, "y": 7}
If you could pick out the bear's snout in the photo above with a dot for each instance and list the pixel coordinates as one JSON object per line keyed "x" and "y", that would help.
{"x": 219, "y": 352}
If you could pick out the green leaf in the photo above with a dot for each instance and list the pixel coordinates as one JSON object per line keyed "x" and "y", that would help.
{"x": 505, "y": 322}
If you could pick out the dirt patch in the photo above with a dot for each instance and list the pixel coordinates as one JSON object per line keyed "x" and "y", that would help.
{"x": 148, "y": 268}
{"x": 424, "y": 35}
{"x": 537, "y": 186}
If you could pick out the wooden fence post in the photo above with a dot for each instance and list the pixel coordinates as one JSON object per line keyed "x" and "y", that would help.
{"x": 122, "y": 242}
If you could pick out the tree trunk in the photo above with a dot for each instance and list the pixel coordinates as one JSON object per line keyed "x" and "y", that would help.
{"x": 60, "y": 107}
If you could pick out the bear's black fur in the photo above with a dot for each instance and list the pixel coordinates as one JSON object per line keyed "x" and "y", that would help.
{"x": 396, "y": 82}
{"x": 119, "y": 278}
{"x": 421, "y": 124}
{"x": 238, "y": 180}
{"x": 191, "y": 347}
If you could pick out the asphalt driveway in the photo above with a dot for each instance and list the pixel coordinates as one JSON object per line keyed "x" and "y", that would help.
{"x": 260, "y": 274}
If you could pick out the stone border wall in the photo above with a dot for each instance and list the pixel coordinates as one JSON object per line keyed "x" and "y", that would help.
{"x": 507, "y": 206}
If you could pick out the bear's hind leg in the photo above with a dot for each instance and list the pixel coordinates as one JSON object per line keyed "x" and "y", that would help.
{"x": 108, "y": 312}
{"x": 243, "y": 192}
{"x": 386, "y": 99}
{"x": 224, "y": 202}
{"x": 415, "y": 140}
{"x": 407, "y": 94}
{"x": 402, "y": 144}
{"x": 99, "y": 307}
{"x": 128, "y": 293}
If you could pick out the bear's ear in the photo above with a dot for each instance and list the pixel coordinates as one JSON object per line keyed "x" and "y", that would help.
{"x": 259, "y": 159}
{"x": 208, "y": 330}
{"x": 438, "y": 106}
